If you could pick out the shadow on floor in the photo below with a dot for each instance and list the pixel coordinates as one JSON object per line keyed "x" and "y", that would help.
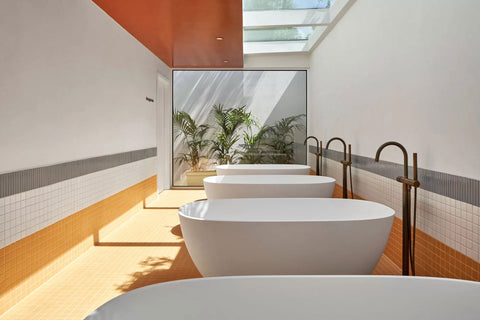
{"x": 154, "y": 271}
{"x": 177, "y": 230}
{"x": 162, "y": 269}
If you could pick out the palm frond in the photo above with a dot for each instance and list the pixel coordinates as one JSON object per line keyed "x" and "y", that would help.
{"x": 228, "y": 121}
{"x": 280, "y": 138}
{"x": 193, "y": 137}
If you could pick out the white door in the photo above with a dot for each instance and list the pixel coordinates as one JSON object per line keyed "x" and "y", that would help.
{"x": 163, "y": 133}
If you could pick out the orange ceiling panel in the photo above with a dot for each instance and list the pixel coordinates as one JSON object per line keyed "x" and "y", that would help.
{"x": 182, "y": 33}
{"x": 149, "y": 21}
{"x": 194, "y": 35}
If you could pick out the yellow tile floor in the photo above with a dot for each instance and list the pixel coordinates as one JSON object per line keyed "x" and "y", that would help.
{"x": 146, "y": 249}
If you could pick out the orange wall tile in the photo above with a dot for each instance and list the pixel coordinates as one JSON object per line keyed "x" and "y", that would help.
{"x": 29, "y": 262}
{"x": 432, "y": 257}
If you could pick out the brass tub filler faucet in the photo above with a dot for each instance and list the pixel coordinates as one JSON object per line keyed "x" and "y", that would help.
{"x": 345, "y": 165}
{"x": 318, "y": 155}
{"x": 408, "y": 244}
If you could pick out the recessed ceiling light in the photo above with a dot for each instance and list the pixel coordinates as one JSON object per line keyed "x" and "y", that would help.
{"x": 219, "y": 38}
{"x": 226, "y": 61}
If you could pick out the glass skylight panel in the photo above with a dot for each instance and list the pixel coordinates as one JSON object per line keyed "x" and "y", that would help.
{"x": 283, "y": 26}
{"x": 254, "y": 5}
{"x": 274, "y": 47}
{"x": 277, "y": 34}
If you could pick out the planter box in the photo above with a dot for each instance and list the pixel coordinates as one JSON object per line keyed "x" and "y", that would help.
{"x": 195, "y": 178}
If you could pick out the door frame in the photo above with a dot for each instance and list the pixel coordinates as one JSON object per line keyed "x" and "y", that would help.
{"x": 163, "y": 120}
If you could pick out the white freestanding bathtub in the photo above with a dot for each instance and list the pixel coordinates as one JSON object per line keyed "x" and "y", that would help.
{"x": 268, "y": 186}
{"x": 249, "y": 169}
{"x": 298, "y": 297}
{"x": 230, "y": 237}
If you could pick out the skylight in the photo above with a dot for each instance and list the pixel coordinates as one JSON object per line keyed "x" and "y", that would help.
{"x": 254, "y": 5}
{"x": 277, "y": 34}
{"x": 286, "y": 25}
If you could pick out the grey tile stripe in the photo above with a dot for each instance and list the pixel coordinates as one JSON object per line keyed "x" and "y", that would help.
{"x": 456, "y": 187}
{"x": 20, "y": 181}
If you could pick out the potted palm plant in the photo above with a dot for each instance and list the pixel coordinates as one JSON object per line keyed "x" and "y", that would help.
{"x": 196, "y": 144}
{"x": 228, "y": 122}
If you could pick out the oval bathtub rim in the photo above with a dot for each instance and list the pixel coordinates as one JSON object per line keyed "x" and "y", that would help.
{"x": 214, "y": 279}
{"x": 391, "y": 211}
{"x": 286, "y": 177}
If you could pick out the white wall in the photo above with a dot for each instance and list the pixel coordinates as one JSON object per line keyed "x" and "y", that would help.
{"x": 72, "y": 84}
{"x": 297, "y": 61}
{"x": 407, "y": 71}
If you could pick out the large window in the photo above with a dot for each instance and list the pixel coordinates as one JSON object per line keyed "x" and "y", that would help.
{"x": 236, "y": 116}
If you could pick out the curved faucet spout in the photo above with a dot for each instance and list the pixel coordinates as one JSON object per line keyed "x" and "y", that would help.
{"x": 344, "y": 146}
{"x": 405, "y": 155}
{"x": 318, "y": 155}
{"x": 311, "y": 137}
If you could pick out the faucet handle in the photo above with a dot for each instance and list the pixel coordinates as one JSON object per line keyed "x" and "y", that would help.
{"x": 350, "y": 153}
{"x": 415, "y": 169}
{"x": 409, "y": 182}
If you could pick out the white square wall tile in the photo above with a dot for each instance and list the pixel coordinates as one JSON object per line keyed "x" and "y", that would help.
{"x": 34, "y": 210}
{"x": 455, "y": 223}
